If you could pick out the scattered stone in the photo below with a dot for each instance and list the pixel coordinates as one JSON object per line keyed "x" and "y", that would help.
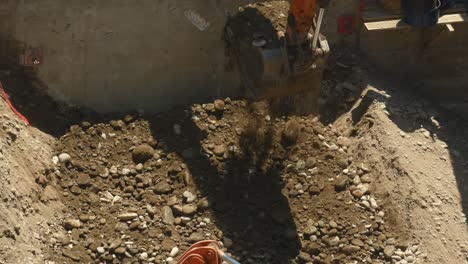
{"x": 71, "y": 254}
{"x": 127, "y": 216}
{"x": 120, "y": 250}
{"x": 162, "y": 187}
{"x": 142, "y": 153}
{"x": 388, "y": 251}
{"x": 189, "y": 209}
{"x": 190, "y": 197}
{"x": 350, "y": 249}
{"x": 70, "y": 224}
{"x": 219, "y": 105}
{"x": 340, "y": 183}
{"x": 167, "y": 215}
{"x": 195, "y": 237}
{"x": 83, "y": 180}
{"x": 174, "y": 252}
{"x": 64, "y": 158}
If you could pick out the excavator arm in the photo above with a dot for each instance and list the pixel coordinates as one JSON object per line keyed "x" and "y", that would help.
{"x": 274, "y": 61}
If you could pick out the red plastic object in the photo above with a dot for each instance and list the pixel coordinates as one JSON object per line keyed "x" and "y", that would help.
{"x": 346, "y": 25}
{"x": 203, "y": 252}
{"x": 5, "y": 97}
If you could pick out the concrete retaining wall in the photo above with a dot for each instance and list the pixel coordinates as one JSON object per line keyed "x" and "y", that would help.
{"x": 119, "y": 54}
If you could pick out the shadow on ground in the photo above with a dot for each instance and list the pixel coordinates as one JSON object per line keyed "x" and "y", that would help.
{"x": 245, "y": 196}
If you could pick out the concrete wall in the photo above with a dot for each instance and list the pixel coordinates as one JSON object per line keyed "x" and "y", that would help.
{"x": 438, "y": 70}
{"x": 121, "y": 54}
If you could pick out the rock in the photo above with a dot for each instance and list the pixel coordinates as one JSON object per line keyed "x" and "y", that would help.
{"x": 64, "y": 158}
{"x": 115, "y": 243}
{"x": 357, "y": 242}
{"x": 83, "y": 180}
{"x": 167, "y": 215}
{"x": 360, "y": 191}
{"x": 340, "y": 183}
{"x": 139, "y": 167}
{"x": 219, "y": 105}
{"x": 195, "y": 237}
{"x": 388, "y": 251}
{"x": 143, "y": 256}
{"x": 162, "y": 188}
{"x": 332, "y": 241}
{"x": 314, "y": 190}
{"x": 168, "y": 244}
{"x": 120, "y": 251}
{"x": 174, "y": 252}
{"x": 366, "y": 178}
{"x": 189, "y": 209}
{"x": 190, "y": 197}
{"x": 310, "y": 230}
{"x": 219, "y": 150}
{"x": 343, "y": 163}
{"x": 119, "y": 227}
{"x": 100, "y": 250}
{"x": 71, "y": 254}
{"x": 312, "y": 248}
{"x": 350, "y": 249}
{"x": 142, "y": 153}
{"x": 304, "y": 257}
{"x": 127, "y": 216}
{"x": 310, "y": 162}
{"x": 75, "y": 190}
{"x": 70, "y": 224}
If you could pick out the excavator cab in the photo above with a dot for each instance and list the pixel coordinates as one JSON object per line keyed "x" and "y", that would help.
{"x": 277, "y": 48}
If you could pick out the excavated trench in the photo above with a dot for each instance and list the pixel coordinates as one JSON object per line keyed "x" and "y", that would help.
{"x": 377, "y": 178}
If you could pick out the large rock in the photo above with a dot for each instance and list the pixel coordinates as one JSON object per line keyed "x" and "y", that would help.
{"x": 142, "y": 153}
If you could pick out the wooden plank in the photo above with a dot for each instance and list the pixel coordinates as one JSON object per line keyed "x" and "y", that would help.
{"x": 398, "y": 23}
{"x": 379, "y": 14}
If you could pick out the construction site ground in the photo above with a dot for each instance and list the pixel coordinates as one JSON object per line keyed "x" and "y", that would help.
{"x": 377, "y": 177}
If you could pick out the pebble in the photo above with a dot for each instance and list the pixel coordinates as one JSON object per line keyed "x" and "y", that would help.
{"x": 64, "y": 158}
{"x": 143, "y": 256}
{"x": 127, "y": 216}
{"x": 120, "y": 250}
{"x": 100, "y": 250}
{"x": 167, "y": 215}
{"x": 83, "y": 180}
{"x": 189, "y": 209}
{"x": 350, "y": 249}
{"x": 190, "y": 197}
{"x": 142, "y": 153}
{"x": 174, "y": 252}
{"x": 162, "y": 188}
{"x": 195, "y": 237}
{"x": 389, "y": 250}
{"x": 334, "y": 241}
{"x": 70, "y": 224}
{"x": 115, "y": 243}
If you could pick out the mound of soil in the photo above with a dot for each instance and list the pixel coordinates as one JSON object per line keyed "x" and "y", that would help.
{"x": 273, "y": 189}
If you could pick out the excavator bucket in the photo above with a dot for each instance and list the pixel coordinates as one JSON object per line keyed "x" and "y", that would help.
{"x": 268, "y": 65}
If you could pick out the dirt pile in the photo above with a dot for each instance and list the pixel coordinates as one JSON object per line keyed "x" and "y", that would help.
{"x": 273, "y": 189}
{"x": 27, "y": 204}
